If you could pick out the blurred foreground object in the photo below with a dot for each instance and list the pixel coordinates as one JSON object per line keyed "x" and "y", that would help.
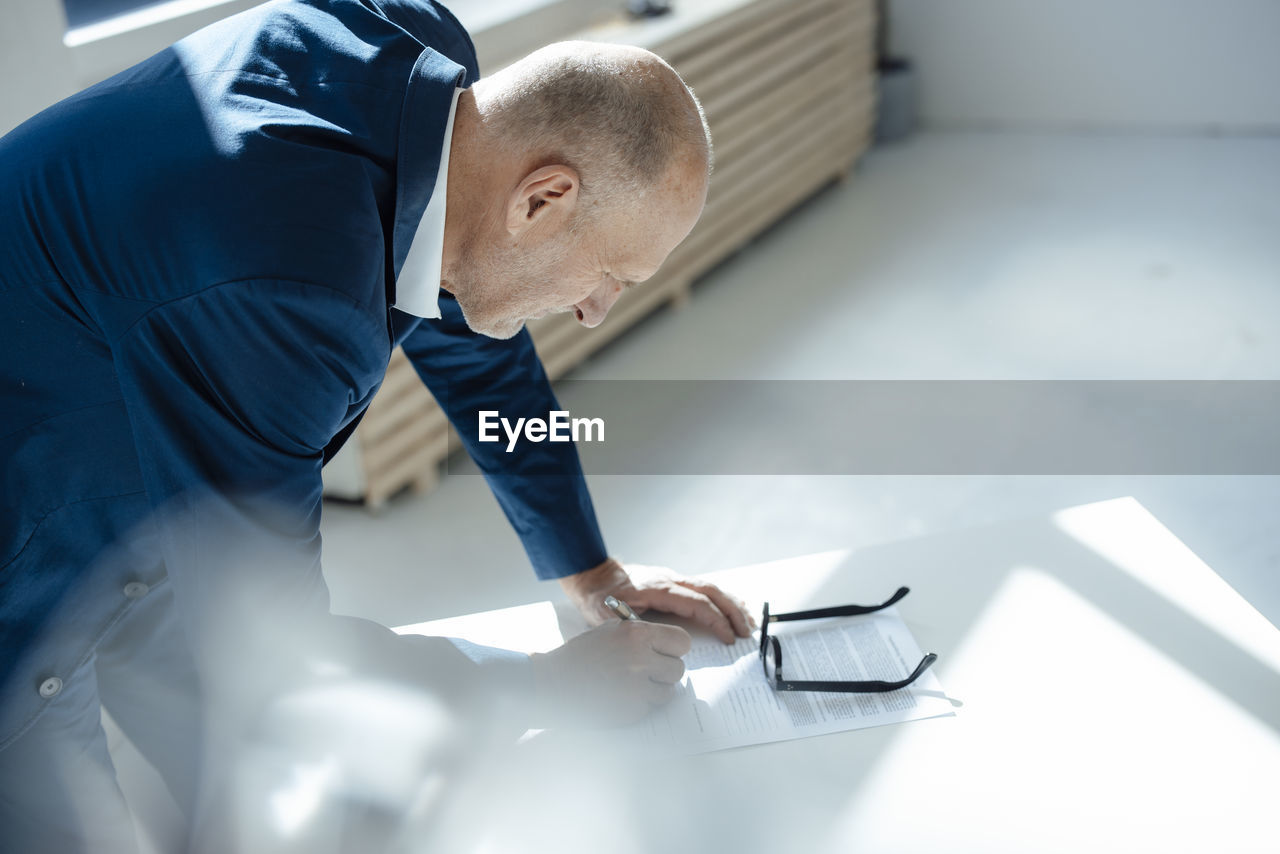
{"x": 647, "y": 8}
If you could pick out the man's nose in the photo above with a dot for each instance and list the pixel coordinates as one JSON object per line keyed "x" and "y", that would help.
{"x": 592, "y": 310}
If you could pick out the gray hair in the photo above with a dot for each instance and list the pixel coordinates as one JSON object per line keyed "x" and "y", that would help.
{"x": 619, "y": 116}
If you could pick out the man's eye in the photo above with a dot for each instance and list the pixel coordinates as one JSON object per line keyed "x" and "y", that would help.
{"x": 625, "y": 283}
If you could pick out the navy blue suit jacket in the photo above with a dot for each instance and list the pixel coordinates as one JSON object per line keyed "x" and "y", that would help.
{"x": 197, "y": 262}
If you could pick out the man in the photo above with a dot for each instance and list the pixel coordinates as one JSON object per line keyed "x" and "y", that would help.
{"x": 206, "y": 261}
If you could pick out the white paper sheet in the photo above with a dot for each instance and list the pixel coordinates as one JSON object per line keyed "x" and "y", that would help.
{"x": 725, "y": 700}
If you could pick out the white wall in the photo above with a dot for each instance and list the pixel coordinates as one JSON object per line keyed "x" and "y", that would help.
{"x": 38, "y": 69}
{"x": 1178, "y": 65}
{"x": 35, "y": 69}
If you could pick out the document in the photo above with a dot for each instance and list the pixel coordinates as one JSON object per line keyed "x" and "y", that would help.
{"x": 725, "y": 700}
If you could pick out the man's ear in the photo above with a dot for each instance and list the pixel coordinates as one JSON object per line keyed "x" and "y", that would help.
{"x": 542, "y": 197}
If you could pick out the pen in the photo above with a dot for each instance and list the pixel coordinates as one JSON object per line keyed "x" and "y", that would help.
{"x": 622, "y": 609}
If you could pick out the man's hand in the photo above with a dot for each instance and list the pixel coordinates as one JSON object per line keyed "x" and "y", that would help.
{"x": 652, "y": 588}
{"x": 611, "y": 675}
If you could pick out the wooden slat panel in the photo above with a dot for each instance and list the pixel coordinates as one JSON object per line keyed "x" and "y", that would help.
{"x": 394, "y": 446}
{"x": 777, "y": 58}
{"x": 684, "y": 47}
{"x": 400, "y": 376}
{"x": 681, "y": 48}
{"x": 419, "y": 466}
{"x": 711, "y": 55}
{"x": 797, "y": 117}
{"x": 823, "y": 76}
{"x": 402, "y": 400}
{"x": 578, "y": 343}
{"x": 811, "y": 173}
{"x": 552, "y": 341}
{"x": 771, "y": 152}
{"x": 414, "y": 405}
{"x": 828, "y": 78}
{"x": 841, "y": 141}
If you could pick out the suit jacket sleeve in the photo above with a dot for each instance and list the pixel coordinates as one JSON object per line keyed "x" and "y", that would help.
{"x": 232, "y": 393}
{"x": 540, "y": 486}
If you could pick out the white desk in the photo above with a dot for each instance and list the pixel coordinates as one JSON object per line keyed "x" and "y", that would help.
{"x": 1117, "y": 695}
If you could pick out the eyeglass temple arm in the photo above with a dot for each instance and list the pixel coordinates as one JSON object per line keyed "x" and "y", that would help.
{"x": 871, "y": 686}
{"x": 840, "y": 610}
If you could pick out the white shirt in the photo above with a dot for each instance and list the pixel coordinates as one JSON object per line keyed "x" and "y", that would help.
{"x": 418, "y": 293}
{"x": 418, "y": 286}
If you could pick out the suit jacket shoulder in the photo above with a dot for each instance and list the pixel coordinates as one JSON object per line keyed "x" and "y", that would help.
{"x": 298, "y": 140}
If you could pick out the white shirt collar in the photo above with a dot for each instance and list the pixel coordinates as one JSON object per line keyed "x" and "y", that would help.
{"x": 418, "y": 286}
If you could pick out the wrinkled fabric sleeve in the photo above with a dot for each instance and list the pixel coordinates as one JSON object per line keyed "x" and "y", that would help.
{"x": 540, "y": 486}
{"x": 232, "y": 393}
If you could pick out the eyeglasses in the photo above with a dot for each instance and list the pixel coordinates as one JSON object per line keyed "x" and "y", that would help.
{"x": 773, "y": 662}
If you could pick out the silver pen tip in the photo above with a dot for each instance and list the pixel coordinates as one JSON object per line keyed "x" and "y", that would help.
{"x": 617, "y": 606}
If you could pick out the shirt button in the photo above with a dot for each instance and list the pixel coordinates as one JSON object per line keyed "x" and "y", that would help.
{"x": 50, "y": 687}
{"x": 136, "y": 590}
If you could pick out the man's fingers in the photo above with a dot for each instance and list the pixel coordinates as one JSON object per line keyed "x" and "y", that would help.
{"x": 704, "y": 603}
{"x": 686, "y": 602}
{"x": 601, "y": 614}
{"x": 729, "y": 606}
{"x": 670, "y": 641}
{"x": 666, "y": 668}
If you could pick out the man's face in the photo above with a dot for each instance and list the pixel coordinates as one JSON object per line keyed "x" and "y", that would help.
{"x": 581, "y": 267}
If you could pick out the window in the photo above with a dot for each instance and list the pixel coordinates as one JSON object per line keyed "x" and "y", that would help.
{"x": 93, "y": 20}
{"x": 81, "y": 13}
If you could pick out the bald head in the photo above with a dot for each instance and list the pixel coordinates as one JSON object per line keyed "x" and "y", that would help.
{"x": 619, "y": 115}
{"x": 573, "y": 174}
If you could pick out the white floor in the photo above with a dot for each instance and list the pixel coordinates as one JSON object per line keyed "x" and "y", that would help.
{"x": 950, "y": 256}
